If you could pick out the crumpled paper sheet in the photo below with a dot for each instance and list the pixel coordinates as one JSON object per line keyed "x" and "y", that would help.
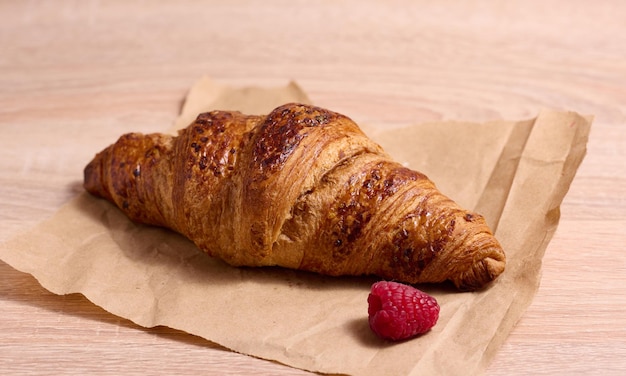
{"x": 515, "y": 173}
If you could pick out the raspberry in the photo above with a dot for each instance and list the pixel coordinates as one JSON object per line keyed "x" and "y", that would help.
{"x": 397, "y": 311}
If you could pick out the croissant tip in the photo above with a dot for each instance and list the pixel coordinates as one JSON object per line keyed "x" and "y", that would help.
{"x": 90, "y": 175}
{"x": 481, "y": 273}
{"x": 493, "y": 267}
{"x": 92, "y": 181}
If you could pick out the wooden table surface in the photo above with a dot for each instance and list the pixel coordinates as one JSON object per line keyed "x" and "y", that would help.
{"x": 76, "y": 74}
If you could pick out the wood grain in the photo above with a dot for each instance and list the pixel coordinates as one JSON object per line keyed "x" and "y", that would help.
{"x": 76, "y": 74}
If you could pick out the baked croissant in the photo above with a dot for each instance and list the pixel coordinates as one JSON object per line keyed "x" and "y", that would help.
{"x": 301, "y": 188}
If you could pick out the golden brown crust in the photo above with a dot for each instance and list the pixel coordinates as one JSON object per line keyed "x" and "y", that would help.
{"x": 301, "y": 188}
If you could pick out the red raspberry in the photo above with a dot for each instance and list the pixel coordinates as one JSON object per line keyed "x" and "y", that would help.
{"x": 397, "y": 311}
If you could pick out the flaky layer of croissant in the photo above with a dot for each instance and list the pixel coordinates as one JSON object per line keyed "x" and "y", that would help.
{"x": 301, "y": 188}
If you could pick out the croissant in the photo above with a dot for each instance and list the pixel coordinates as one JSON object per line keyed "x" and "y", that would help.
{"x": 301, "y": 188}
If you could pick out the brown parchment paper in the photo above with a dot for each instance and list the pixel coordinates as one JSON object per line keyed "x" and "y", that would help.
{"x": 514, "y": 172}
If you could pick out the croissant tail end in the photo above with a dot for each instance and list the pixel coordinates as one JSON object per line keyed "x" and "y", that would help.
{"x": 93, "y": 179}
{"x": 480, "y": 274}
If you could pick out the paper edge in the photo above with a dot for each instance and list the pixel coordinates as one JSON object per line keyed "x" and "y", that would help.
{"x": 550, "y": 223}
